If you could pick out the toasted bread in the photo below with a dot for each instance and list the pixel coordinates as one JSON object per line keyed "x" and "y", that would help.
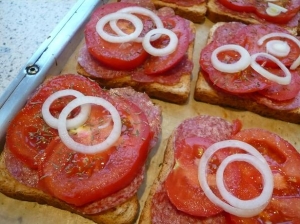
{"x": 175, "y": 93}
{"x": 20, "y": 182}
{"x": 204, "y": 92}
{"x": 194, "y": 13}
{"x": 219, "y": 13}
{"x": 125, "y": 213}
{"x": 166, "y": 167}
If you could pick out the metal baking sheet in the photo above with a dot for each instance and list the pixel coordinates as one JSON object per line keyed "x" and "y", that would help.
{"x": 60, "y": 56}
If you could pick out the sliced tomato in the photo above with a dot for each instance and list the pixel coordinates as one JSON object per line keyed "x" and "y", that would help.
{"x": 246, "y": 81}
{"x": 181, "y": 27}
{"x": 259, "y": 8}
{"x": 28, "y": 133}
{"x": 78, "y": 178}
{"x": 283, "y": 159}
{"x": 292, "y": 6}
{"x": 61, "y": 82}
{"x": 279, "y": 92}
{"x": 182, "y": 184}
{"x": 120, "y": 56}
{"x": 239, "y": 5}
{"x": 248, "y": 37}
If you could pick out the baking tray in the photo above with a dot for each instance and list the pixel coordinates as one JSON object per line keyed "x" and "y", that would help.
{"x": 59, "y": 55}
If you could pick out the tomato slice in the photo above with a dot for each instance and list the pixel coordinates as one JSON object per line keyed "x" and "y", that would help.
{"x": 279, "y": 92}
{"x": 120, "y": 56}
{"x": 283, "y": 159}
{"x": 74, "y": 177}
{"x": 259, "y": 8}
{"x": 158, "y": 65}
{"x": 28, "y": 134}
{"x": 61, "y": 82}
{"x": 246, "y": 81}
{"x": 249, "y": 36}
{"x": 182, "y": 184}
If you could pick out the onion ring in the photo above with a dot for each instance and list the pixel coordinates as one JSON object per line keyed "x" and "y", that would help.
{"x": 170, "y": 48}
{"x": 138, "y": 10}
{"x": 260, "y": 201}
{"x": 208, "y": 192}
{"x": 278, "y": 48}
{"x": 296, "y": 63}
{"x": 71, "y": 123}
{"x": 274, "y": 10}
{"x": 115, "y": 16}
{"x": 268, "y": 75}
{"x": 89, "y": 149}
{"x": 240, "y": 65}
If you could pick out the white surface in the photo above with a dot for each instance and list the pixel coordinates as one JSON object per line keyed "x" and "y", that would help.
{"x": 24, "y": 25}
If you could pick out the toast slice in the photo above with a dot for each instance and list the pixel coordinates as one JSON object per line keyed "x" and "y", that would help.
{"x": 20, "y": 182}
{"x": 195, "y": 13}
{"x": 205, "y": 92}
{"x": 216, "y": 12}
{"x": 124, "y": 213}
{"x": 175, "y": 93}
{"x": 207, "y": 126}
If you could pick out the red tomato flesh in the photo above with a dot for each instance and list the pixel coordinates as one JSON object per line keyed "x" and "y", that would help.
{"x": 78, "y": 178}
{"x": 28, "y": 134}
{"x": 157, "y": 65}
{"x": 120, "y": 56}
{"x": 182, "y": 184}
{"x": 283, "y": 159}
{"x": 259, "y": 8}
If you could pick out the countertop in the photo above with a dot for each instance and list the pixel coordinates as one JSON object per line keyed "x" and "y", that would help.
{"x": 24, "y": 25}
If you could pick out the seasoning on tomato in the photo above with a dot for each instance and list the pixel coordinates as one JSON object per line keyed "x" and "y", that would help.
{"x": 119, "y": 56}
{"x": 79, "y": 178}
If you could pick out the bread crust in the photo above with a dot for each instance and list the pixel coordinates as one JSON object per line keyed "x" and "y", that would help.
{"x": 205, "y": 93}
{"x": 166, "y": 168}
{"x": 195, "y": 13}
{"x": 9, "y": 186}
{"x": 215, "y": 14}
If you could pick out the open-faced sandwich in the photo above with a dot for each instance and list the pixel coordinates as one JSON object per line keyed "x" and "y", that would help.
{"x": 80, "y": 148}
{"x": 129, "y": 45}
{"x": 193, "y": 10}
{"x": 215, "y": 171}
{"x": 283, "y": 13}
{"x": 251, "y": 67}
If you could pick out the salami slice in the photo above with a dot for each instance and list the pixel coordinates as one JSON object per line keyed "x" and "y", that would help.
{"x": 153, "y": 112}
{"x": 278, "y": 105}
{"x": 115, "y": 199}
{"x": 204, "y": 126}
{"x": 20, "y": 171}
{"x": 162, "y": 211}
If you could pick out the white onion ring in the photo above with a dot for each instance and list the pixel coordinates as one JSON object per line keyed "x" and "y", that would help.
{"x": 263, "y": 199}
{"x": 115, "y": 16}
{"x": 274, "y": 10}
{"x": 205, "y": 187}
{"x": 89, "y": 149}
{"x": 138, "y": 10}
{"x": 268, "y": 75}
{"x": 296, "y": 63}
{"x": 240, "y": 65}
{"x": 71, "y": 123}
{"x": 170, "y": 48}
{"x": 278, "y": 48}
